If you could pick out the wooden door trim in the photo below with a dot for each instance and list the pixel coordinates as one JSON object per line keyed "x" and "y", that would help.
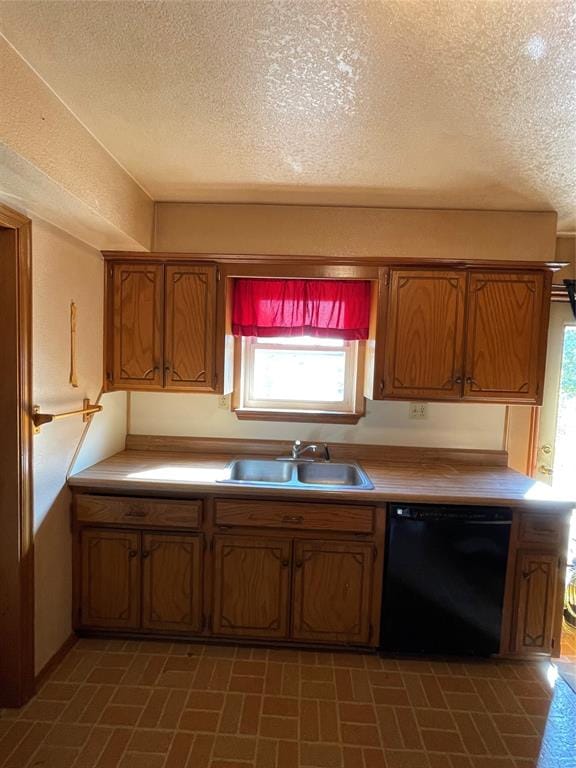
{"x": 17, "y": 548}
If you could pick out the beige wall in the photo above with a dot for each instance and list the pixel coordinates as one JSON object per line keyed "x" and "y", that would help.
{"x": 63, "y": 270}
{"x": 448, "y": 425}
{"x": 367, "y": 232}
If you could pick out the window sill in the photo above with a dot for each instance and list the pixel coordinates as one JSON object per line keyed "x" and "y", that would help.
{"x": 318, "y": 417}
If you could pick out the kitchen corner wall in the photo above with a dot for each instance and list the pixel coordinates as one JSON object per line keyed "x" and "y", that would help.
{"x": 64, "y": 270}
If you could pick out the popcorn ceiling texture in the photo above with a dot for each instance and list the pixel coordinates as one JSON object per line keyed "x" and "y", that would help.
{"x": 411, "y": 104}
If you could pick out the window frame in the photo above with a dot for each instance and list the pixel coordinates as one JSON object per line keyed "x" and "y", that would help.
{"x": 349, "y": 411}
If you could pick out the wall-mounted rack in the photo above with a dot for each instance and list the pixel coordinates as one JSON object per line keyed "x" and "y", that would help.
{"x": 87, "y": 411}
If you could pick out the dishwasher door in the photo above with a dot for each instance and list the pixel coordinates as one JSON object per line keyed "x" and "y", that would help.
{"x": 444, "y": 579}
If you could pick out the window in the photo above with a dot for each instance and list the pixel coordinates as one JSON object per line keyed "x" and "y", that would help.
{"x": 300, "y": 344}
{"x": 304, "y": 374}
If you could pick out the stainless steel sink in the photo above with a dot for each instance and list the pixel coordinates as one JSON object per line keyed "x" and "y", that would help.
{"x": 284, "y": 473}
{"x": 327, "y": 473}
{"x": 260, "y": 471}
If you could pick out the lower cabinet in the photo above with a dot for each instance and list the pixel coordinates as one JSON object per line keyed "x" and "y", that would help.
{"x": 132, "y": 581}
{"x": 535, "y": 590}
{"x": 251, "y": 584}
{"x": 110, "y": 573}
{"x": 332, "y": 592}
{"x": 325, "y": 587}
{"x": 171, "y": 583}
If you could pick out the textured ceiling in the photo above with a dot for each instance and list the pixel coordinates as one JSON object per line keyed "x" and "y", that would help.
{"x": 424, "y": 103}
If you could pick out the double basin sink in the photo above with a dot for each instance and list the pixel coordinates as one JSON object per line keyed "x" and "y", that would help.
{"x": 282, "y": 473}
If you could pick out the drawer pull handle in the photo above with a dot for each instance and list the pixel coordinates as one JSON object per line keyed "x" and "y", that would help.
{"x": 292, "y": 518}
{"x": 136, "y": 513}
{"x": 133, "y": 553}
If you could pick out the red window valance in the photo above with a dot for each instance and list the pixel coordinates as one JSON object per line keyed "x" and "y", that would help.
{"x": 336, "y": 309}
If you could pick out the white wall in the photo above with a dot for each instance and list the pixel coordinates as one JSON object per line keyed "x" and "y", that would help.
{"x": 64, "y": 269}
{"x": 448, "y": 425}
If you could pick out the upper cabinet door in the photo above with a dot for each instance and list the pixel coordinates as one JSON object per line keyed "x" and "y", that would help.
{"x": 190, "y": 340}
{"x": 136, "y": 323}
{"x": 423, "y": 353}
{"x": 506, "y": 336}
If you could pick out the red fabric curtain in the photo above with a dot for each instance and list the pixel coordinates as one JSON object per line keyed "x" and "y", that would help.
{"x": 334, "y": 309}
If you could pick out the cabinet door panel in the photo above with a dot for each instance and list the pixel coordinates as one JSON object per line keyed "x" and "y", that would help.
{"x": 536, "y": 576}
{"x": 251, "y": 581}
{"x": 137, "y": 307}
{"x": 190, "y": 328}
{"x": 110, "y": 594}
{"x": 332, "y": 591}
{"x": 172, "y": 583}
{"x": 504, "y": 340}
{"x": 425, "y": 334}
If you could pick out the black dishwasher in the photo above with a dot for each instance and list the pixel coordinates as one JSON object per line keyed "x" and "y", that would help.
{"x": 444, "y": 579}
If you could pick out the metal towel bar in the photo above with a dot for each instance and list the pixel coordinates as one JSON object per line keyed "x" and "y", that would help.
{"x": 88, "y": 410}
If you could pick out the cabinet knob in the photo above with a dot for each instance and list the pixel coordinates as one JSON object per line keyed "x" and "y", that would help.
{"x": 167, "y": 368}
{"x": 145, "y": 553}
{"x": 133, "y": 553}
{"x": 285, "y": 563}
{"x": 298, "y": 563}
{"x": 458, "y": 380}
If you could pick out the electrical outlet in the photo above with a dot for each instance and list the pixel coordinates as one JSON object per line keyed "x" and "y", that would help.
{"x": 224, "y": 402}
{"x": 418, "y": 411}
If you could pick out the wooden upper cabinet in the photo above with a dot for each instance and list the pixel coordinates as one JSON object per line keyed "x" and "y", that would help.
{"x": 332, "y": 592}
{"x": 134, "y": 337}
{"x": 535, "y": 590}
{"x": 424, "y": 338}
{"x": 190, "y": 329}
{"x": 251, "y": 584}
{"x": 172, "y": 582}
{"x": 110, "y": 579}
{"x": 506, "y": 336}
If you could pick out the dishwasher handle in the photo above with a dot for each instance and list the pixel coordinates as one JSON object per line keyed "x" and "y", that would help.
{"x": 457, "y": 515}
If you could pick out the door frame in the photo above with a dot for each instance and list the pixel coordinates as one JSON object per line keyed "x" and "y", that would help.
{"x": 16, "y": 501}
{"x": 548, "y": 413}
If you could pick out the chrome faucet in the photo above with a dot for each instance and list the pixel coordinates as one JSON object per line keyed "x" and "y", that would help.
{"x": 298, "y": 450}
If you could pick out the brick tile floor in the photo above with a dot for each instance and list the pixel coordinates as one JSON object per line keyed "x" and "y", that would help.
{"x": 120, "y": 704}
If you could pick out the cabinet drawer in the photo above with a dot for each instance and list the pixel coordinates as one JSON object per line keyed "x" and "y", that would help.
{"x": 540, "y": 529}
{"x": 294, "y": 515}
{"x": 140, "y": 513}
